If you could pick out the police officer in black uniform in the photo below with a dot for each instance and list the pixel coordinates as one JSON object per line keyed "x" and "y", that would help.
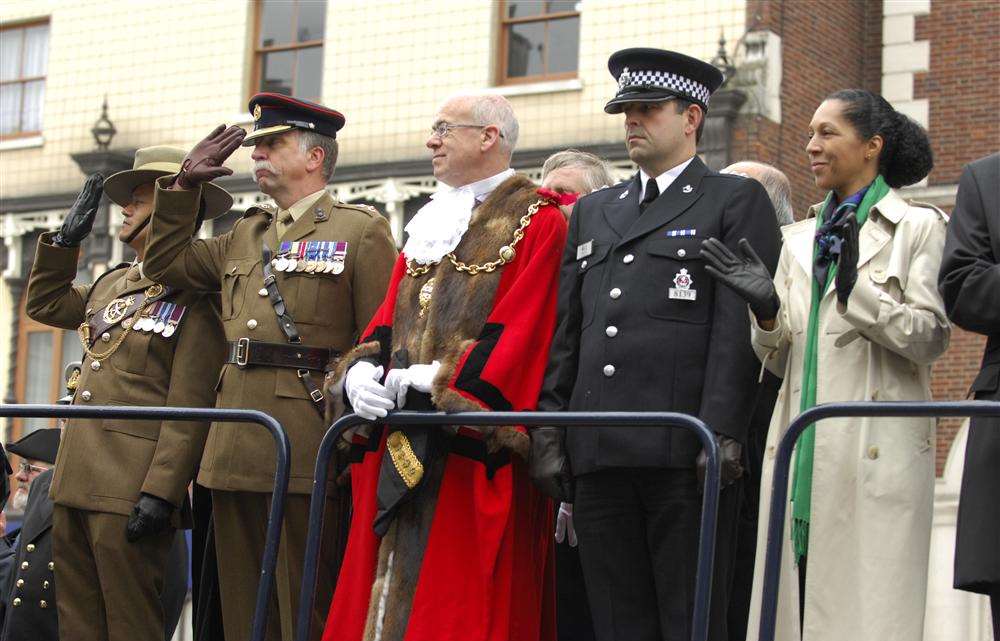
{"x": 643, "y": 327}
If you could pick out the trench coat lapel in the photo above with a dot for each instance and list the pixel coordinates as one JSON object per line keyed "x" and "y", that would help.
{"x": 872, "y": 237}
{"x": 671, "y": 203}
{"x": 620, "y": 212}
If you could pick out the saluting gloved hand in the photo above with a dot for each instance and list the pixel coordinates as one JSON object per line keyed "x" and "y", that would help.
{"x": 369, "y": 398}
{"x": 548, "y": 463}
{"x": 564, "y": 525}
{"x": 80, "y": 219}
{"x": 204, "y": 162}
{"x": 151, "y": 515}
{"x": 847, "y": 264}
{"x": 730, "y": 460}
{"x": 419, "y": 377}
{"x": 746, "y": 275}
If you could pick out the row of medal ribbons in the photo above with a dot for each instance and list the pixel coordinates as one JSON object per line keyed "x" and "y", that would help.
{"x": 161, "y": 317}
{"x": 311, "y": 256}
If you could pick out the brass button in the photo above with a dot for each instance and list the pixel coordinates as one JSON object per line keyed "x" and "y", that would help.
{"x": 609, "y": 370}
{"x": 45, "y": 585}
{"x": 262, "y": 291}
{"x": 30, "y": 547}
{"x": 85, "y": 394}
{"x": 43, "y": 604}
{"x": 20, "y": 583}
{"x": 95, "y": 365}
{"x": 628, "y": 258}
{"x": 615, "y": 293}
{"x": 611, "y": 331}
{"x": 252, "y": 323}
{"x": 583, "y": 265}
{"x": 25, "y": 565}
{"x": 17, "y": 602}
{"x": 681, "y": 253}
{"x": 106, "y": 337}
{"x": 873, "y": 452}
{"x": 52, "y": 566}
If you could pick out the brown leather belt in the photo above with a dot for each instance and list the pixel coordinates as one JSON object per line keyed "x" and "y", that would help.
{"x": 246, "y": 352}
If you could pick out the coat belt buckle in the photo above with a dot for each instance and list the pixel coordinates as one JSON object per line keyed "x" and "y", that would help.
{"x": 242, "y": 352}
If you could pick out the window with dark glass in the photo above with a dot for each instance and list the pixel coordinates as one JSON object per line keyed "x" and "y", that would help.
{"x": 24, "y": 58}
{"x": 539, "y": 40}
{"x": 288, "y": 47}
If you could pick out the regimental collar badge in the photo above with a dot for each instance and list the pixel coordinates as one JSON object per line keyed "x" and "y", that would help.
{"x": 687, "y": 189}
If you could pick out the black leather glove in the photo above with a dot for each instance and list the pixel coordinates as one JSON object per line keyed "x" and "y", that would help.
{"x": 204, "y": 162}
{"x": 549, "y": 464}
{"x": 730, "y": 460}
{"x": 151, "y": 515}
{"x": 746, "y": 275}
{"x": 847, "y": 264}
{"x": 80, "y": 219}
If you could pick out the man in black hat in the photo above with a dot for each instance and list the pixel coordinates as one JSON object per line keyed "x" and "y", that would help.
{"x": 643, "y": 327}
{"x": 299, "y": 282}
{"x": 29, "y": 593}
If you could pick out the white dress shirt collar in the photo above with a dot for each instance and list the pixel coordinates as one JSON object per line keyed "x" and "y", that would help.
{"x": 664, "y": 180}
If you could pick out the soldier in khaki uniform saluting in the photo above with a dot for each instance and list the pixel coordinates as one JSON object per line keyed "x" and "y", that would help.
{"x": 120, "y": 486}
{"x": 298, "y": 285}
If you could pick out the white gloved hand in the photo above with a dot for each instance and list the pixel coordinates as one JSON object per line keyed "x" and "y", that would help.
{"x": 367, "y": 396}
{"x": 564, "y": 525}
{"x": 419, "y": 377}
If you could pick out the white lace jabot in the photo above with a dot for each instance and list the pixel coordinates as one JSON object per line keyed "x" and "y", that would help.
{"x": 439, "y": 226}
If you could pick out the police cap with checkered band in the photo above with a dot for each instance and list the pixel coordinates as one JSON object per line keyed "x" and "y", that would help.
{"x": 275, "y": 113}
{"x": 654, "y": 75}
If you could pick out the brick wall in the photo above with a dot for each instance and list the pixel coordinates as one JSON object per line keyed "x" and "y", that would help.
{"x": 950, "y": 380}
{"x": 962, "y": 83}
{"x": 822, "y": 51}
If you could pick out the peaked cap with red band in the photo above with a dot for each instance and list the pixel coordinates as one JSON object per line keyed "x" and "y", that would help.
{"x": 274, "y": 113}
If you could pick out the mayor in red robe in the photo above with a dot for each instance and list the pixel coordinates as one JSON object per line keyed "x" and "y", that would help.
{"x": 449, "y": 540}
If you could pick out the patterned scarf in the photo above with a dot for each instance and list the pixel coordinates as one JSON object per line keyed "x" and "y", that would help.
{"x": 825, "y": 254}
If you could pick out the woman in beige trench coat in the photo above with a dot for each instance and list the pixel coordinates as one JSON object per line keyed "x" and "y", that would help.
{"x": 865, "y": 574}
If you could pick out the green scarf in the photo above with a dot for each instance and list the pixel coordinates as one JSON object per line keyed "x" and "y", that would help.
{"x": 805, "y": 449}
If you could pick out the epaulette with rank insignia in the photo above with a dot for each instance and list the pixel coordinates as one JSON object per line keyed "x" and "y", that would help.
{"x": 268, "y": 210}
{"x": 368, "y": 209}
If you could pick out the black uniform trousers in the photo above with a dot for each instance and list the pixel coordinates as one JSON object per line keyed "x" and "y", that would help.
{"x": 638, "y": 534}
{"x": 573, "y": 620}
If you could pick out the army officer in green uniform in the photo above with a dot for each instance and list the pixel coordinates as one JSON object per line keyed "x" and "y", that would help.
{"x": 120, "y": 486}
{"x": 298, "y": 284}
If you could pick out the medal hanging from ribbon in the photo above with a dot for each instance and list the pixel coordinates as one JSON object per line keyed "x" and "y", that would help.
{"x": 311, "y": 257}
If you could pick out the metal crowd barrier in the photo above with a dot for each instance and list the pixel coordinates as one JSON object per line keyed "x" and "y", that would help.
{"x": 278, "y": 493}
{"x": 782, "y": 463}
{"x": 709, "y": 508}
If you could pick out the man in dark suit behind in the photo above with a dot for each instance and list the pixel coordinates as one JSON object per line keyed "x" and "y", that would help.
{"x": 643, "y": 327}
{"x": 970, "y": 284}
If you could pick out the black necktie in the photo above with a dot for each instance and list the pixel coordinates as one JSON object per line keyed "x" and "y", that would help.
{"x": 652, "y": 191}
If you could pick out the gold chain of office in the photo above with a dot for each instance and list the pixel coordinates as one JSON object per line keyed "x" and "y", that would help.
{"x": 83, "y": 331}
{"x": 506, "y": 253}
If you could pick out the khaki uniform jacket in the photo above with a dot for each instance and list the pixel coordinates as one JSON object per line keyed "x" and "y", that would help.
{"x": 873, "y": 478}
{"x": 330, "y": 310}
{"x": 103, "y": 465}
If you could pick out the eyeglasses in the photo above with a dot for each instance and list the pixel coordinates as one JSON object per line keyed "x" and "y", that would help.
{"x": 442, "y": 129}
{"x": 27, "y": 468}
